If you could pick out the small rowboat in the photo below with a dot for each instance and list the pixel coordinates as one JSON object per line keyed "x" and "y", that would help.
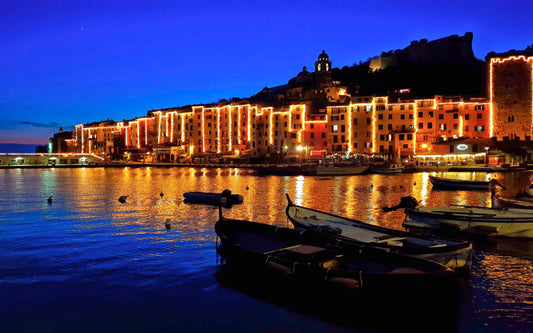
{"x": 309, "y": 260}
{"x": 475, "y": 221}
{"x": 501, "y": 202}
{"x": 224, "y": 198}
{"x": 452, "y": 253}
{"x": 460, "y": 184}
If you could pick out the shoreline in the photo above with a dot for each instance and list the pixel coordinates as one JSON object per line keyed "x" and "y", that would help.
{"x": 409, "y": 169}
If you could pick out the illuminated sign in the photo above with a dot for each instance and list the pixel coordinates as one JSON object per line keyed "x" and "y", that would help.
{"x": 462, "y": 147}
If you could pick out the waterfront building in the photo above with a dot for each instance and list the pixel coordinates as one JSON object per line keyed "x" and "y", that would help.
{"x": 314, "y": 116}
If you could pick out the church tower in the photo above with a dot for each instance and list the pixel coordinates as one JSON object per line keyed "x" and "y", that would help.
{"x": 323, "y": 71}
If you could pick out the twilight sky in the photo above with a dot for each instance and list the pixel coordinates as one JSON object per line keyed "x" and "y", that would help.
{"x": 70, "y": 62}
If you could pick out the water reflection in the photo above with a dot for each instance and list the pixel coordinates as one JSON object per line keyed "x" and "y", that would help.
{"x": 87, "y": 219}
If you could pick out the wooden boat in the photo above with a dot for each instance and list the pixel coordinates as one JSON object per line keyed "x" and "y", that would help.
{"x": 224, "y": 198}
{"x": 454, "y": 254}
{"x": 460, "y": 184}
{"x": 388, "y": 168}
{"x": 469, "y": 220}
{"x": 519, "y": 202}
{"x": 336, "y": 170}
{"x": 303, "y": 257}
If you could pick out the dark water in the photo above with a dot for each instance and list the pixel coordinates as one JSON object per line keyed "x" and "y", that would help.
{"x": 88, "y": 263}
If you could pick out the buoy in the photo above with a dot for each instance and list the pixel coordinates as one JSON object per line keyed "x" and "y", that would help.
{"x": 167, "y": 224}
{"x": 401, "y": 186}
{"x": 122, "y": 198}
{"x": 414, "y": 184}
{"x": 49, "y": 200}
{"x": 161, "y": 194}
{"x": 246, "y": 187}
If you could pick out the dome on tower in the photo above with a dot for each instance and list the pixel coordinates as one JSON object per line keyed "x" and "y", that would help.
{"x": 323, "y": 56}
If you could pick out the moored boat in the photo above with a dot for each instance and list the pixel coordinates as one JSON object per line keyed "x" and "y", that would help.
{"x": 388, "y": 168}
{"x": 461, "y": 184}
{"x": 210, "y": 198}
{"x": 499, "y": 201}
{"x": 303, "y": 257}
{"x": 337, "y": 170}
{"x": 452, "y": 253}
{"x": 470, "y": 220}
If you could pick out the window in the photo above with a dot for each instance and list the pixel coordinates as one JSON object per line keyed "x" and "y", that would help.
{"x": 380, "y": 116}
{"x": 401, "y": 137}
{"x": 402, "y": 116}
{"x": 420, "y": 114}
{"x": 368, "y": 121}
{"x": 479, "y": 115}
{"x": 480, "y": 128}
{"x": 335, "y": 139}
{"x": 430, "y": 125}
{"x": 402, "y": 107}
{"x": 369, "y": 108}
{"x": 335, "y": 128}
{"x": 467, "y": 116}
{"x": 430, "y": 114}
{"x": 411, "y": 116}
{"x": 421, "y": 125}
{"x": 390, "y": 116}
{"x": 455, "y": 115}
{"x": 441, "y": 116}
{"x": 442, "y": 127}
{"x": 380, "y": 127}
{"x": 510, "y": 118}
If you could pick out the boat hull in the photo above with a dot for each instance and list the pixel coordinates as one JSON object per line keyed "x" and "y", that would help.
{"x": 501, "y": 202}
{"x": 454, "y": 254}
{"x": 472, "y": 220}
{"x": 458, "y": 184}
{"x": 340, "y": 171}
{"x": 302, "y": 257}
{"x": 212, "y": 198}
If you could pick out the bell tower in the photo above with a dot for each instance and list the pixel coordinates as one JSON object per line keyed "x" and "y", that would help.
{"x": 323, "y": 70}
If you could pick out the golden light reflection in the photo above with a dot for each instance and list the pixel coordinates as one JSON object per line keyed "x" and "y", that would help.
{"x": 298, "y": 190}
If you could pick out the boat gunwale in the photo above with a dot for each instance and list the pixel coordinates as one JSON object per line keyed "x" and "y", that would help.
{"x": 451, "y": 245}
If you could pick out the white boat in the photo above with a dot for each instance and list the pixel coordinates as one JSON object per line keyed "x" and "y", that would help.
{"x": 341, "y": 230}
{"x": 511, "y": 222}
{"x": 340, "y": 170}
{"x": 460, "y": 184}
{"x": 388, "y": 168}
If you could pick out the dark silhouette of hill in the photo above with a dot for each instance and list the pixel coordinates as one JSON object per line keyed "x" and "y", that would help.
{"x": 446, "y": 78}
{"x": 446, "y": 66}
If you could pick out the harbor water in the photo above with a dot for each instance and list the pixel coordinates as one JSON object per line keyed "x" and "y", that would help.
{"x": 88, "y": 263}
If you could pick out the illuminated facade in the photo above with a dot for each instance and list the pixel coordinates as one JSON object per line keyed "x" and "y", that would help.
{"x": 511, "y": 97}
{"x": 367, "y": 125}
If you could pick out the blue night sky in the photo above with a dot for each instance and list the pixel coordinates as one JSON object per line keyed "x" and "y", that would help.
{"x": 69, "y": 62}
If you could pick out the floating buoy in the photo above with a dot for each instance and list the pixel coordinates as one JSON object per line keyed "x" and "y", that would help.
{"x": 167, "y": 224}
{"x": 49, "y": 200}
{"x": 371, "y": 185}
{"x": 161, "y": 194}
{"x": 414, "y": 184}
{"x": 247, "y": 187}
{"x": 122, "y": 198}
{"x": 401, "y": 186}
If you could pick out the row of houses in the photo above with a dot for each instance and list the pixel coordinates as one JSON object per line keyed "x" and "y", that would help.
{"x": 347, "y": 125}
